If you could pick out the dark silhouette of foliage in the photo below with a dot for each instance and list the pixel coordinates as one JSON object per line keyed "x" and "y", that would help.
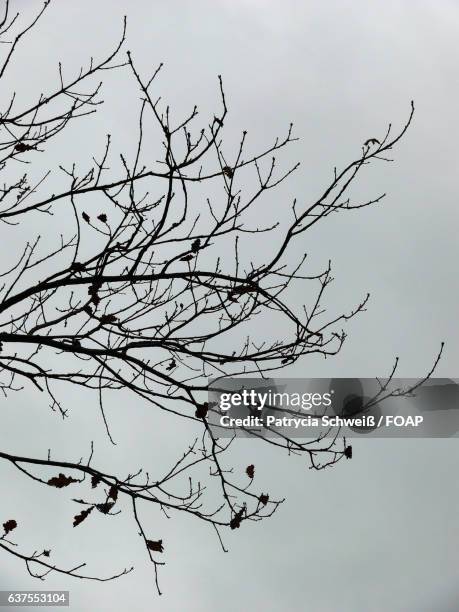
{"x": 79, "y": 518}
{"x": 156, "y": 546}
{"x": 61, "y": 481}
{"x": 146, "y": 298}
{"x": 9, "y": 526}
{"x": 264, "y": 499}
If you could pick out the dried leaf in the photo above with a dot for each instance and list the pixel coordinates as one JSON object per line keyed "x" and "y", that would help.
{"x": 371, "y": 141}
{"x": 196, "y": 245}
{"x": 85, "y": 217}
{"x": 113, "y": 493}
{"x": 102, "y": 217}
{"x": 264, "y": 498}
{"x": 79, "y": 518}
{"x": 250, "y": 471}
{"x": 21, "y": 147}
{"x": 92, "y": 291}
{"x": 46, "y": 553}
{"x": 172, "y": 365}
{"x": 201, "y": 411}
{"x": 236, "y": 521}
{"x": 105, "y": 507}
{"x": 156, "y": 545}
{"x": 9, "y": 526}
{"x": 348, "y": 452}
{"x": 61, "y": 481}
{"x": 187, "y": 257}
{"x": 228, "y": 172}
{"x": 95, "y": 480}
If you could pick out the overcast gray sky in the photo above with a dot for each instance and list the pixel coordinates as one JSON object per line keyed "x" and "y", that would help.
{"x": 375, "y": 534}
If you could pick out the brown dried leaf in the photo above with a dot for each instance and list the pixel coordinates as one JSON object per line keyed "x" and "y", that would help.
{"x": 172, "y": 365}
{"x": 264, "y": 498}
{"x": 79, "y": 518}
{"x": 236, "y": 521}
{"x": 201, "y": 411}
{"x": 95, "y": 480}
{"x": 105, "y": 507}
{"x": 61, "y": 481}
{"x": 250, "y": 471}
{"x": 9, "y": 526}
{"x": 156, "y": 545}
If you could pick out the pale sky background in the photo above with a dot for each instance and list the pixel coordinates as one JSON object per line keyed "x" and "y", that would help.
{"x": 378, "y": 533}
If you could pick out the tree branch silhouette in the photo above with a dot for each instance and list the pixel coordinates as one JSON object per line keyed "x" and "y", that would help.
{"x": 146, "y": 291}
